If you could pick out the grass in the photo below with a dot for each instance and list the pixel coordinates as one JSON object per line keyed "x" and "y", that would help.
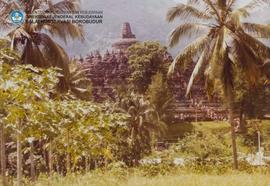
{"x": 178, "y": 131}
{"x": 236, "y": 179}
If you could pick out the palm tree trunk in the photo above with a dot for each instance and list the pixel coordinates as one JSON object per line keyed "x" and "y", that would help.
{"x": 230, "y": 98}
{"x": 3, "y": 156}
{"x": 19, "y": 156}
{"x": 68, "y": 154}
{"x": 32, "y": 160}
{"x": 233, "y": 136}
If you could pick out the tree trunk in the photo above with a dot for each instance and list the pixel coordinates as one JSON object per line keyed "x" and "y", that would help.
{"x": 58, "y": 167}
{"x": 68, "y": 163}
{"x": 50, "y": 159}
{"x": 233, "y": 136}
{"x": 19, "y": 156}
{"x": 230, "y": 99}
{"x": 3, "y": 156}
{"x": 87, "y": 164}
{"x": 32, "y": 160}
{"x": 68, "y": 154}
{"x": 95, "y": 163}
{"x": 242, "y": 121}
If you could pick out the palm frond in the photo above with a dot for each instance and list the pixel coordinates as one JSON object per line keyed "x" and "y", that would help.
{"x": 200, "y": 65}
{"x": 258, "y": 30}
{"x": 190, "y": 52}
{"x": 63, "y": 30}
{"x": 193, "y": 1}
{"x": 230, "y": 4}
{"x": 261, "y": 50}
{"x": 247, "y": 60}
{"x": 266, "y": 69}
{"x": 195, "y": 71}
{"x": 54, "y": 53}
{"x": 215, "y": 62}
{"x": 62, "y": 6}
{"x": 33, "y": 55}
{"x": 264, "y": 2}
{"x": 213, "y": 8}
{"x": 185, "y": 11}
{"x": 186, "y": 29}
{"x": 243, "y": 11}
{"x": 227, "y": 76}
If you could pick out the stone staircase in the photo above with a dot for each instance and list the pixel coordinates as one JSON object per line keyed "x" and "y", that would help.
{"x": 187, "y": 110}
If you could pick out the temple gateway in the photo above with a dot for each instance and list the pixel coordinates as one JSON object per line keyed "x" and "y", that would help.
{"x": 112, "y": 68}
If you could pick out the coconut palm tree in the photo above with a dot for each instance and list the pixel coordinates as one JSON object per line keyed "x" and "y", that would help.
{"x": 33, "y": 39}
{"x": 224, "y": 41}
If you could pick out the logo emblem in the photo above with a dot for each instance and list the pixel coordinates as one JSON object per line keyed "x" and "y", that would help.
{"x": 17, "y": 17}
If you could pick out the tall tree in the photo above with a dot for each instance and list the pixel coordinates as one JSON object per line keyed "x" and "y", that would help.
{"x": 160, "y": 96}
{"x": 224, "y": 41}
{"x": 145, "y": 60}
{"x": 6, "y": 56}
{"x": 144, "y": 124}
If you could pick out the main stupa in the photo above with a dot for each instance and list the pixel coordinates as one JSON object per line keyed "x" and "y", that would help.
{"x": 127, "y": 38}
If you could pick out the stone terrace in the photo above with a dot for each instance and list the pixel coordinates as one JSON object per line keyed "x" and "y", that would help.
{"x": 112, "y": 69}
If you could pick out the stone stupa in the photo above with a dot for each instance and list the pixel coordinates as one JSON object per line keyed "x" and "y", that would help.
{"x": 127, "y": 38}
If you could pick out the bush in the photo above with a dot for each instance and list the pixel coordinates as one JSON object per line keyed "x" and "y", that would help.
{"x": 203, "y": 146}
{"x": 118, "y": 169}
{"x": 151, "y": 170}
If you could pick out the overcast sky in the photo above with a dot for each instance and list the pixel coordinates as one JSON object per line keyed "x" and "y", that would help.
{"x": 138, "y": 12}
{"x": 147, "y": 18}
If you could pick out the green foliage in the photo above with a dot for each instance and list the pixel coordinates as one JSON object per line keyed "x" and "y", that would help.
{"x": 204, "y": 145}
{"x": 22, "y": 87}
{"x": 144, "y": 125}
{"x": 157, "y": 170}
{"x": 145, "y": 60}
{"x": 79, "y": 128}
{"x": 250, "y": 139}
{"x": 117, "y": 169}
{"x": 34, "y": 43}
{"x": 6, "y": 54}
{"x": 253, "y": 101}
{"x": 79, "y": 85}
{"x": 160, "y": 97}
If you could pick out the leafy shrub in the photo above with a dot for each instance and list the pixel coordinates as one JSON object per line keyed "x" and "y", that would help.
{"x": 118, "y": 169}
{"x": 151, "y": 170}
{"x": 203, "y": 146}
